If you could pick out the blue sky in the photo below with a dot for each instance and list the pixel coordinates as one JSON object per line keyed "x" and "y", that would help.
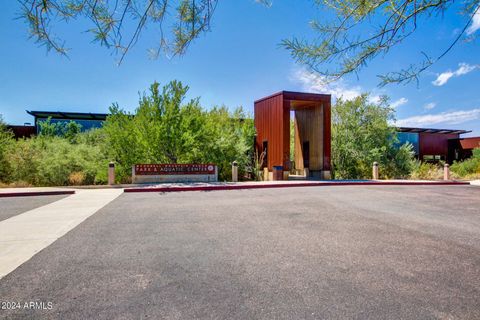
{"x": 236, "y": 63}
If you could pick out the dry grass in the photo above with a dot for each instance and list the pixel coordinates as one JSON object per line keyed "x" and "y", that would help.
{"x": 76, "y": 178}
{"x": 16, "y": 184}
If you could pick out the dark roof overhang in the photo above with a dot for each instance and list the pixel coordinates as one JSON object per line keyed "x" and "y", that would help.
{"x": 68, "y": 115}
{"x": 431, "y": 130}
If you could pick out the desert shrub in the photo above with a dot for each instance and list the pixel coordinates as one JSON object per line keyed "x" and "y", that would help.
{"x": 76, "y": 178}
{"x": 23, "y": 159}
{"x": 48, "y": 161}
{"x": 163, "y": 129}
{"x": 427, "y": 171}
{"x": 166, "y": 129}
{"x": 68, "y": 130}
{"x": 469, "y": 168}
{"x": 6, "y": 140}
{"x": 230, "y": 138}
{"x": 361, "y": 135}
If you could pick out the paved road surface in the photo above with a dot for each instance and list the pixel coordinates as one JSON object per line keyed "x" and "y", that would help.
{"x": 303, "y": 253}
{"x": 10, "y": 207}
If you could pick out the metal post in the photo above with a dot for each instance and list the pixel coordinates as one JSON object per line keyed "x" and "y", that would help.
{"x": 134, "y": 180}
{"x": 234, "y": 171}
{"x": 111, "y": 173}
{"x": 446, "y": 172}
{"x": 375, "y": 171}
{"x": 266, "y": 174}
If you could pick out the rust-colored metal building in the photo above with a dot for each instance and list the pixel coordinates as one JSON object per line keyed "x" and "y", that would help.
{"x": 461, "y": 149}
{"x": 312, "y": 114}
{"x": 25, "y": 131}
{"x": 433, "y": 145}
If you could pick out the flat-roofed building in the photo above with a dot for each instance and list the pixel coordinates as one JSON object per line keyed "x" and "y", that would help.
{"x": 433, "y": 145}
{"x": 86, "y": 120}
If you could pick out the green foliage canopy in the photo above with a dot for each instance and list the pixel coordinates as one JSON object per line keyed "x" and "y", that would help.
{"x": 469, "y": 168}
{"x": 6, "y": 140}
{"x": 361, "y": 135}
{"x": 165, "y": 129}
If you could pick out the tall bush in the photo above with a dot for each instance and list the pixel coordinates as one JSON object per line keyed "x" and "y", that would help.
{"x": 50, "y": 161}
{"x": 6, "y": 140}
{"x": 469, "y": 168}
{"x": 167, "y": 129}
{"x": 361, "y": 135}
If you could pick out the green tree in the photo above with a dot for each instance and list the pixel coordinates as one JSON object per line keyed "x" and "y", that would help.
{"x": 230, "y": 138}
{"x": 364, "y": 29}
{"x": 51, "y": 161}
{"x": 47, "y": 128}
{"x": 163, "y": 129}
{"x": 361, "y": 135}
{"x": 71, "y": 131}
{"x": 469, "y": 168}
{"x": 118, "y": 25}
{"x": 167, "y": 129}
{"x": 361, "y": 31}
{"x": 6, "y": 140}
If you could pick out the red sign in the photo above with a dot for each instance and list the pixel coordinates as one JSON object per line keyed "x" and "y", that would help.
{"x": 169, "y": 169}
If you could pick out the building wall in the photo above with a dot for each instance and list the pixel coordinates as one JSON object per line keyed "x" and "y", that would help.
{"x": 461, "y": 149}
{"x": 272, "y": 122}
{"x": 470, "y": 143}
{"x": 434, "y": 144}
{"x": 22, "y": 131}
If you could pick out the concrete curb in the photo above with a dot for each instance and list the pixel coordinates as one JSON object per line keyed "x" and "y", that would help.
{"x": 35, "y": 193}
{"x": 290, "y": 185}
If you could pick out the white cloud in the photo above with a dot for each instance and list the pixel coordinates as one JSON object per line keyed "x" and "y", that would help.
{"x": 316, "y": 83}
{"x": 475, "y": 23}
{"x": 454, "y": 117}
{"x": 429, "y": 106}
{"x": 397, "y": 103}
{"x": 442, "y": 78}
{"x": 375, "y": 99}
{"x": 463, "y": 68}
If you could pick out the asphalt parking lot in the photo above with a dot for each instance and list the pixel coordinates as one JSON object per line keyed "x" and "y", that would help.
{"x": 10, "y": 207}
{"x": 381, "y": 252}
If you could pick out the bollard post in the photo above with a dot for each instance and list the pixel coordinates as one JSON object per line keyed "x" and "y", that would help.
{"x": 446, "y": 172}
{"x": 375, "y": 170}
{"x": 234, "y": 171}
{"x": 111, "y": 173}
{"x": 265, "y": 174}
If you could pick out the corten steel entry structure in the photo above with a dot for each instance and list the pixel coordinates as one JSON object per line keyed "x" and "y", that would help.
{"x": 312, "y": 131}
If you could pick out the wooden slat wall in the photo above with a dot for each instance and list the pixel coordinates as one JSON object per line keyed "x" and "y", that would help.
{"x": 269, "y": 123}
{"x": 309, "y": 127}
{"x": 327, "y": 134}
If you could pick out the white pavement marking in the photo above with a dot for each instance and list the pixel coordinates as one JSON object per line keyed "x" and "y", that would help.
{"x": 23, "y": 235}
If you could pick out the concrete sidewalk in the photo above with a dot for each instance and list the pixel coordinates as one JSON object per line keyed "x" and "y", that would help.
{"x": 23, "y": 235}
{"x": 215, "y": 186}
